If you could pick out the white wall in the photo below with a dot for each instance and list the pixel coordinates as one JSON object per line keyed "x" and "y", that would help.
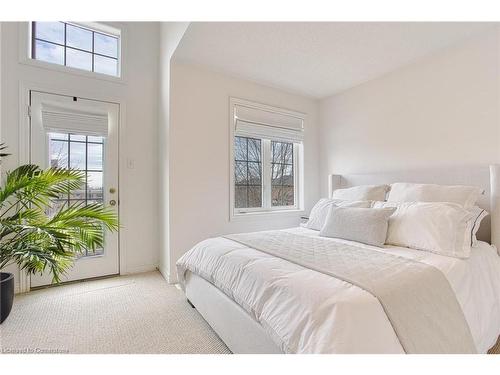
{"x": 138, "y": 139}
{"x": 199, "y": 155}
{"x": 440, "y": 111}
{"x": 170, "y": 35}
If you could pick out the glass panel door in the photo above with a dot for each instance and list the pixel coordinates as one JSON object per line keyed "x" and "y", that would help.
{"x": 84, "y": 153}
{"x": 73, "y": 143}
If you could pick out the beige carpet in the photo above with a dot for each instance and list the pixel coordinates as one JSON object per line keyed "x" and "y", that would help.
{"x": 129, "y": 314}
{"x": 496, "y": 348}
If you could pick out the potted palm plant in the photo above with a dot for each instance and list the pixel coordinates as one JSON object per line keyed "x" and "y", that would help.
{"x": 36, "y": 241}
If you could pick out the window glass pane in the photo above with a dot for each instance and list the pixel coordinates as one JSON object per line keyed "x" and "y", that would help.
{"x": 282, "y": 152}
{"x": 254, "y": 174}
{"x": 77, "y": 202}
{"x": 49, "y": 52}
{"x": 58, "y": 154}
{"x": 288, "y": 153}
{"x": 240, "y": 197}
{"x": 77, "y": 137}
{"x": 240, "y": 148}
{"x": 282, "y": 196}
{"x": 94, "y": 157}
{"x": 63, "y": 136}
{"x": 287, "y": 177}
{"x": 99, "y": 202}
{"x": 254, "y": 196}
{"x": 78, "y": 193}
{"x": 55, "y": 206}
{"x": 105, "y": 45}
{"x": 78, "y": 59}
{"x": 95, "y": 139}
{"x": 277, "y": 152}
{"x": 95, "y": 252}
{"x": 288, "y": 196}
{"x": 79, "y": 38}
{"x": 241, "y": 173}
{"x": 77, "y": 155}
{"x": 276, "y": 195}
{"x": 282, "y": 180}
{"x": 253, "y": 149}
{"x": 94, "y": 186}
{"x": 277, "y": 173}
{"x": 105, "y": 65}
{"x": 50, "y": 31}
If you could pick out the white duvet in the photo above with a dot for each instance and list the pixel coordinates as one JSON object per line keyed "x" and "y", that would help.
{"x": 305, "y": 311}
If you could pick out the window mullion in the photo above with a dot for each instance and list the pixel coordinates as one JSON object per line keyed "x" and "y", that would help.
{"x": 266, "y": 173}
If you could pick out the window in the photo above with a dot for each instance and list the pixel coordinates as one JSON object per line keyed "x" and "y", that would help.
{"x": 75, "y": 46}
{"x": 248, "y": 172}
{"x": 282, "y": 182}
{"x": 266, "y": 149}
{"x": 84, "y": 153}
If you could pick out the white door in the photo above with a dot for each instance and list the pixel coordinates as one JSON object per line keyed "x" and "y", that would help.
{"x": 71, "y": 132}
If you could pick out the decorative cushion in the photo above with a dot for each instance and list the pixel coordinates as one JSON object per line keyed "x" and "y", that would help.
{"x": 319, "y": 212}
{"x": 365, "y": 225}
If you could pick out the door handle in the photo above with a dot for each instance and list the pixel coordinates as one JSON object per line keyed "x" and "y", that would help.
{"x": 112, "y": 202}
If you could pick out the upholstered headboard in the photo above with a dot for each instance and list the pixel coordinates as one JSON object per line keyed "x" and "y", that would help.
{"x": 486, "y": 177}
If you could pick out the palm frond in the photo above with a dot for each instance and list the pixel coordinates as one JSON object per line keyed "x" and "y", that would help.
{"x": 40, "y": 243}
{"x": 3, "y": 147}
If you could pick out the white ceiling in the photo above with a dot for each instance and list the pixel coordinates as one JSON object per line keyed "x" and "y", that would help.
{"x": 315, "y": 59}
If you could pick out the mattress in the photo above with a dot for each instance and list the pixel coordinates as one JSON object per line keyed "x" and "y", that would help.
{"x": 305, "y": 311}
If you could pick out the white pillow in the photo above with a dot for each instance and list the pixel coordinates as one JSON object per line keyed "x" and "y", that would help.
{"x": 362, "y": 193}
{"x": 365, "y": 225}
{"x": 439, "y": 227}
{"x": 407, "y": 192}
{"x": 319, "y": 212}
{"x": 478, "y": 214}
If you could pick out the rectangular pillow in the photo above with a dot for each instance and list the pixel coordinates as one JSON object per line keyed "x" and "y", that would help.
{"x": 439, "y": 227}
{"x": 319, "y": 212}
{"x": 362, "y": 193}
{"x": 407, "y": 192}
{"x": 365, "y": 225}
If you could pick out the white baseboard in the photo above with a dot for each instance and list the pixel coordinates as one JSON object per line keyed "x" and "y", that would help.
{"x": 140, "y": 269}
{"x": 163, "y": 273}
{"x": 172, "y": 279}
{"x": 166, "y": 275}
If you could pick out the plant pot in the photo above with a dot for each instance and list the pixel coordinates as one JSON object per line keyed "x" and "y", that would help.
{"x": 6, "y": 294}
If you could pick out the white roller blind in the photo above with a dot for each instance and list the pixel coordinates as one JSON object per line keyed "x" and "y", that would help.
{"x": 60, "y": 119}
{"x": 260, "y": 123}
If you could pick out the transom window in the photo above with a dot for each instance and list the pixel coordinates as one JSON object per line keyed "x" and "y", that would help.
{"x": 75, "y": 46}
{"x": 266, "y": 149}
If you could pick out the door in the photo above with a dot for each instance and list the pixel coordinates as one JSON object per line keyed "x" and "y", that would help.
{"x": 71, "y": 132}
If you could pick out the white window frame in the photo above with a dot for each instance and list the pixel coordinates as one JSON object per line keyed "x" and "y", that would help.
{"x": 25, "y": 49}
{"x": 267, "y": 208}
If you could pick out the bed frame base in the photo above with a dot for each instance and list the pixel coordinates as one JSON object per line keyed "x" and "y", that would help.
{"x": 241, "y": 333}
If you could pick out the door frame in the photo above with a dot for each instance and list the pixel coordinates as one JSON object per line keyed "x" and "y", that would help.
{"x": 24, "y": 146}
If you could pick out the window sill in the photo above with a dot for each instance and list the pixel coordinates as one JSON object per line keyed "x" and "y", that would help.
{"x": 69, "y": 70}
{"x": 266, "y": 214}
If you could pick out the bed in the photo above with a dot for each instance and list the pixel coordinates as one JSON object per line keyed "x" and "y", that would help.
{"x": 259, "y": 303}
